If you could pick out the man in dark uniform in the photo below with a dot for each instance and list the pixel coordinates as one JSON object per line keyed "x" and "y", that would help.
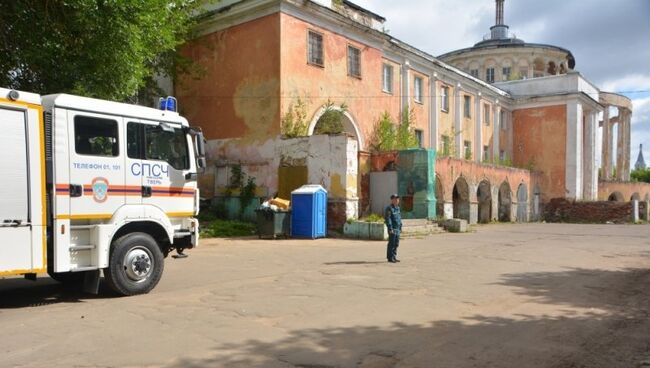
{"x": 393, "y": 219}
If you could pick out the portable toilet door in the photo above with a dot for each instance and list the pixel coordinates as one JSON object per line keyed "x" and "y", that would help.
{"x": 309, "y": 212}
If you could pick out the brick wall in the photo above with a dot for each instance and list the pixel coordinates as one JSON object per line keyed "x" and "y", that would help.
{"x": 562, "y": 210}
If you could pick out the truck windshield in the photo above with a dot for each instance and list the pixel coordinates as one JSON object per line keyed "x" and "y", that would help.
{"x": 167, "y": 146}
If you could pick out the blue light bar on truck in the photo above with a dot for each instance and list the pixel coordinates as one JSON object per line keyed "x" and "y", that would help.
{"x": 168, "y": 104}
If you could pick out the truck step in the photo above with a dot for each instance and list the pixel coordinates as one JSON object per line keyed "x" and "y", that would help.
{"x": 83, "y": 268}
{"x": 81, "y": 247}
{"x": 82, "y": 227}
{"x": 181, "y": 233}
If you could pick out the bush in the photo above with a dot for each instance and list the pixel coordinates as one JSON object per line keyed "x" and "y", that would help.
{"x": 227, "y": 229}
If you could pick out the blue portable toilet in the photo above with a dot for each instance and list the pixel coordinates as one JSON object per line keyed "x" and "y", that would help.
{"x": 309, "y": 212}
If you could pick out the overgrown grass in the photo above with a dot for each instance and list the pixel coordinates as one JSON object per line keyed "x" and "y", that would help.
{"x": 373, "y": 218}
{"x": 214, "y": 227}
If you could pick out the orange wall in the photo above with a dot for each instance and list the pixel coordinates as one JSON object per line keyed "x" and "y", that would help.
{"x": 540, "y": 143}
{"x": 237, "y": 93}
{"x": 363, "y": 96}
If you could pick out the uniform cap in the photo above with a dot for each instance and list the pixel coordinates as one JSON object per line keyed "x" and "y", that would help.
{"x": 393, "y": 196}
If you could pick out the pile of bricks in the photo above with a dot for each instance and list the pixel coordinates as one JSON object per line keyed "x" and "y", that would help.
{"x": 562, "y": 210}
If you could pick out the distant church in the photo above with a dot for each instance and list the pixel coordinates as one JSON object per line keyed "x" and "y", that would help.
{"x": 640, "y": 162}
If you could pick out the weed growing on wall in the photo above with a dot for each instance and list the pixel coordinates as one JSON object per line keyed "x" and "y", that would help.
{"x": 331, "y": 122}
{"x": 388, "y": 136}
{"x": 294, "y": 122}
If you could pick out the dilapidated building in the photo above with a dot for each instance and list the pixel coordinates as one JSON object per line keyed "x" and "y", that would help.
{"x": 503, "y": 147}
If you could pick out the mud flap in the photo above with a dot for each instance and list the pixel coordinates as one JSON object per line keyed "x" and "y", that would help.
{"x": 91, "y": 282}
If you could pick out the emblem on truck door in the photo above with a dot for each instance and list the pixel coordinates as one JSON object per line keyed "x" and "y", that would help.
{"x": 100, "y": 190}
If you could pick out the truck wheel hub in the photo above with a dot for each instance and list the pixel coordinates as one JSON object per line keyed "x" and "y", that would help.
{"x": 138, "y": 264}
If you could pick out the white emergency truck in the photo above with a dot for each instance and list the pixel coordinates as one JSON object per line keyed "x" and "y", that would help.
{"x": 89, "y": 185}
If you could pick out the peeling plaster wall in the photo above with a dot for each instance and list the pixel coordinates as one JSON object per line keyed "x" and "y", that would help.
{"x": 237, "y": 94}
{"x": 315, "y": 85}
{"x": 331, "y": 161}
{"x": 540, "y": 142}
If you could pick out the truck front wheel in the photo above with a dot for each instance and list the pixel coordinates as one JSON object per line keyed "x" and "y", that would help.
{"x": 135, "y": 266}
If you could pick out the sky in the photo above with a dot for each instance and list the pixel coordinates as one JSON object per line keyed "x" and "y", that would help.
{"x": 610, "y": 39}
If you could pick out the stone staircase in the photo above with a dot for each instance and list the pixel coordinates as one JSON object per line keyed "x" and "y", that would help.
{"x": 420, "y": 228}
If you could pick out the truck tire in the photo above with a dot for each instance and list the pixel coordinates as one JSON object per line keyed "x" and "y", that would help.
{"x": 135, "y": 266}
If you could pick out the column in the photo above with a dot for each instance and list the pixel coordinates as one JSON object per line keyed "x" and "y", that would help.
{"x": 628, "y": 148}
{"x": 607, "y": 146}
{"x": 573, "y": 170}
{"x": 406, "y": 87}
{"x": 496, "y": 129}
{"x": 434, "y": 112}
{"x": 458, "y": 123}
{"x": 620, "y": 146}
{"x": 478, "y": 144}
{"x": 590, "y": 175}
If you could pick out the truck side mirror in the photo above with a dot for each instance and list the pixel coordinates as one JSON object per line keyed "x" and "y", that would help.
{"x": 201, "y": 163}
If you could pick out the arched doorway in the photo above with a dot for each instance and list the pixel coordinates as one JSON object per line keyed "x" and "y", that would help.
{"x": 440, "y": 198}
{"x": 522, "y": 203}
{"x": 635, "y": 197}
{"x": 484, "y": 197}
{"x": 616, "y": 197}
{"x": 505, "y": 202}
{"x": 461, "y": 199}
{"x": 349, "y": 125}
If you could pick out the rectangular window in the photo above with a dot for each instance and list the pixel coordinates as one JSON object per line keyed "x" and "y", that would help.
{"x": 486, "y": 153}
{"x": 486, "y": 112}
{"x": 445, "y": 145}
{"x": 474, "y": 73}
{"x": 489, "y": 75}
{"x": 506, "y": 72}
{"x": 95, "y": 136}
{"x": 468, "y": 106}
{"x": 387, "y": 78}
{"x": 354, "y": 62}
{"x": 152, "y": 142}
{"x": 315, "y": 49}
{"x": 444, "y": 103}
{"x": 503, "y": 121}
{"x": 417, "y": 87}
{"x": 502, "y": 155}
{"x": 467, "y": 145}
{"x": 419, "y": 135}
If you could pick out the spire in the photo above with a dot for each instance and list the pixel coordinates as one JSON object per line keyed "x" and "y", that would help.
{"x": 499, "y": 29}
{"x": 499, "y": 21}
{"x": 640, "y": 162}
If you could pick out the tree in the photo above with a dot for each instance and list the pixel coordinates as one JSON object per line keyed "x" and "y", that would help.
{"x": 331, "y": 122}
{"x": 108, "y": 49}
{"x": 388, "y": 136}
{"x": 642, "y": 175}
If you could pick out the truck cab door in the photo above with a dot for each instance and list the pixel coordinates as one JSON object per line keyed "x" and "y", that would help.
{"x": 96, "y": 186}
{"x": 168, "y": 169}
